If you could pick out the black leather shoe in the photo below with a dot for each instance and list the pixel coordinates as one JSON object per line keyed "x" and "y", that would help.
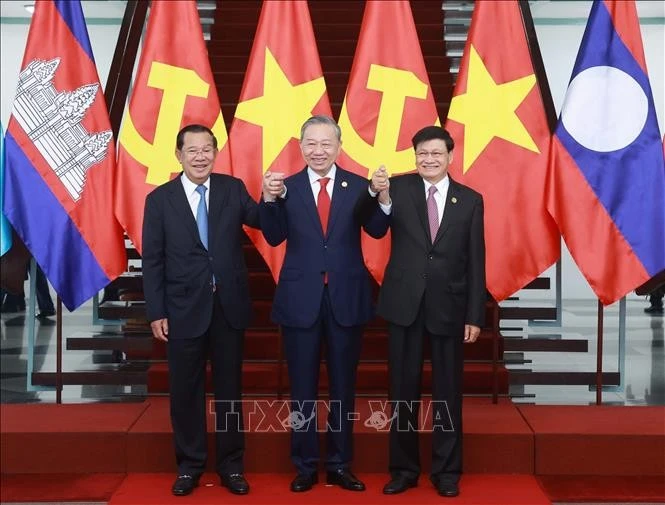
{"x": 235, "y": 482}
{"x": 304, "y": 482}
{"x": 184, "y": 485}
{"x": 447, "y": 489}
{"x": 654, "y": 309}
{"x": 399, "y": 484}
{"x": 345, "y": 479}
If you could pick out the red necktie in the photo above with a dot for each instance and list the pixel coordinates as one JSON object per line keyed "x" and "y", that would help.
{"x": 323, "y": 203}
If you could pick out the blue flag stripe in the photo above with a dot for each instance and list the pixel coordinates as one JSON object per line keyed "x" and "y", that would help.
{"x": 48, "y": 231}
{"x": 629, "y": 182}
{"x": 72, "y": 15}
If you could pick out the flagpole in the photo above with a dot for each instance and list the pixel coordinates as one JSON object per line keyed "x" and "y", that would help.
{"x": 599, "y": 356}
{"x": 120, "y": 75}
{"x": 495, "y": 352}
{"x": 58, "y": 359}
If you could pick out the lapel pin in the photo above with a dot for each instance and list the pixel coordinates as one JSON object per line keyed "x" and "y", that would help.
{"x": 453, "y": 199}
{"x": 344, "y": 184}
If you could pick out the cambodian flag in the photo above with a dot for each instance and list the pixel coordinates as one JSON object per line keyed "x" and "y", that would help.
{"x": 606, "y": 188}
{"x": 60, "y": 158}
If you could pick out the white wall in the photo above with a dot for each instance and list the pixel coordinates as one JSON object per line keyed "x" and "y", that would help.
{"x": 559, "y": 26}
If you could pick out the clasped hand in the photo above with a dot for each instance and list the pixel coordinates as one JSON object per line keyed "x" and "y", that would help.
{"x": 380, "y": 184}
{"x": 273, "y": 185}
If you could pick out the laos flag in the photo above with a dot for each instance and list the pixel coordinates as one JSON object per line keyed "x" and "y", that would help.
{"x": 60, "y": 158}
{"x": 606, "y": 187}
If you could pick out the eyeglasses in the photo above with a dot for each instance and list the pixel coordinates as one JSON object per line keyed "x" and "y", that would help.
{"x": 310, "y": 145}
{"x": 433, "y": 154}
{"x": 193, "y": 152}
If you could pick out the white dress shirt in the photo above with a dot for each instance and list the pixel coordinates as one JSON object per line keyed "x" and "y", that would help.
{"x": 193, "y": 197}
{"x": 441, "y": 194}
{"x": 316, "y": 185}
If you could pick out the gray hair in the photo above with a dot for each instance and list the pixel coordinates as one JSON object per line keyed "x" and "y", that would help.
{"x": 320, "y": 119}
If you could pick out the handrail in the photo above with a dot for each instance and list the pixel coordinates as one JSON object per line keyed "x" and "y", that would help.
{"x": 124, "y": 57}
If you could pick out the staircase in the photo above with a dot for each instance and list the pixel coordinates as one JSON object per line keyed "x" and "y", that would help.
{"x": 336, "y": 26}
{"x": 231, "y": 27}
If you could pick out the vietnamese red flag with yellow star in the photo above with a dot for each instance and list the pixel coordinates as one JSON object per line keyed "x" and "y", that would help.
{"x": 283, "y": 87}
{"x": 498, "y": 121}
{"x": 174, "y": 87}
{"x": 388, "y": 99}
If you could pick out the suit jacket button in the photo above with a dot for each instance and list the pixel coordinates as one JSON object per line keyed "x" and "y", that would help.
{"x": 424, "y": 276}
{"x": 431, "y": 257}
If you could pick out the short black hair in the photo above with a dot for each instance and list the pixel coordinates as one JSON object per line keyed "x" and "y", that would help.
{"x": 432, "y": 133}
{"x": 193, "y": 128}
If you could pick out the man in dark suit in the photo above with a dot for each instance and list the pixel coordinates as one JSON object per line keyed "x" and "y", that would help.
{"x": 323, "y": 295}
{"x": 434, "y": 283}
{"x": 197, "y": 300}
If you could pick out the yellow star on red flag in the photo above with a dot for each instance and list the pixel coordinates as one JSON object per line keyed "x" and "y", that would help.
{"x": 282, "y": 108}
{"x": 487, "y": 110}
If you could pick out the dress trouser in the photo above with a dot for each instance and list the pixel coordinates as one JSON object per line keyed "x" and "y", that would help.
{"x": 405, "y": 370}
{"x": 303, "y": 355}
{"x": 187, "y": 375}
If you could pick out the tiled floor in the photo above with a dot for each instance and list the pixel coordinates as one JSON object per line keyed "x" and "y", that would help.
{"x": 643, "y": 380}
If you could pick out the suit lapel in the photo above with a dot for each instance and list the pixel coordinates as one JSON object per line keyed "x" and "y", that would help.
{"x": 450, "y": 210}
{"x": 417, "y": 190}
{"x": 181, "y": 208}
{"x": 303, "y": 189}
{"x": 340, "y": 193}
{"x": 219, "y": 193}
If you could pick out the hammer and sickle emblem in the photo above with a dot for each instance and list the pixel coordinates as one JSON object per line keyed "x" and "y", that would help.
{"x": 177, "y": 84}
{"x": 396, "y": 85}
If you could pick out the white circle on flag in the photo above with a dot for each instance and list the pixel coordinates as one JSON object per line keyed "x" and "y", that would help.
{"x": 605, "y": 109}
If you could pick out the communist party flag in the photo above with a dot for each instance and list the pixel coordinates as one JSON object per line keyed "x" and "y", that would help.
{"x": 498, "y": 121}
{"x": 387, "y": 100}
{"x": 174, "y": 87}
{"x": 607, "y": 186}
{"x": 283, "y": 88}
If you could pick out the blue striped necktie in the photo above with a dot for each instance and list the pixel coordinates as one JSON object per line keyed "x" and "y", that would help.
{"x": 202, "y": 215}
{"x": 202, "y": 220}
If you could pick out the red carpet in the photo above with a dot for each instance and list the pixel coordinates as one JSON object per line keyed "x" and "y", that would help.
{"x": 81, "y": 438}
{"x": 59, "y": 487}
{"x": 497, "y": 439}
{"x": 262, "y": 378}
{"x": 597, "y": 440}
{"x": 263, "y": 344}
{"x": 155, "y": 489}
{"x": 563, "y": 488}
{"x": 617, "y": 451}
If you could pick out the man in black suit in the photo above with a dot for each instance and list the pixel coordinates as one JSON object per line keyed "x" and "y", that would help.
{"x": 197, "y": 300}
{"x": 323, "y": 296}
{"x": 434, "y": 283}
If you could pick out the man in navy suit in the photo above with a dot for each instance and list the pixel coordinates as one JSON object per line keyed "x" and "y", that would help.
{"x": 323, "y": 295}
{"x": 197, "y": 301}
